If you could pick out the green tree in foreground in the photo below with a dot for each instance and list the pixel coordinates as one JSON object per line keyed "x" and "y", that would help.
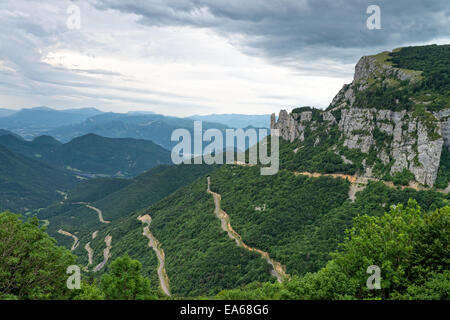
{"x": 125, "y": 281}
{"x": 411, "y": 249}
{"x": 32, "y": 266}
{"x": 89, "y": 292}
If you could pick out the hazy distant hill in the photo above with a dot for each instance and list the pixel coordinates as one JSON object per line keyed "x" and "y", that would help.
{"x": 237, "y": 120}
{"x": 6, "y": 112}
{"x": 157, "y": 128}
{"x": 92, "y": 154}
{"x": 29, "y": 184}
{"x": 35, "y": 121}
{"x": 6, "y": 133}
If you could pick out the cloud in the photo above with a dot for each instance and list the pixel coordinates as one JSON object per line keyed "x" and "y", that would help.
{"x": 181, "y": 57}
{"x": 287, "y": 30}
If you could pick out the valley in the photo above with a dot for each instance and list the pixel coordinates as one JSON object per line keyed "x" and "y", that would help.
{"x": 362, "y": 182}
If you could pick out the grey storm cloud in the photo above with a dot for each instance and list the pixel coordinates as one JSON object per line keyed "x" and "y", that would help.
{"x": 286, "y": 29}
{"x": 311, "y": 37}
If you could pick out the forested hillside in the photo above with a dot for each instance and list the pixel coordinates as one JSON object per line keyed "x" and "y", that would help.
{"x": 119, "y": 199}
{"x": 92, "y": 154}
{"x": 298, "y": 220}
{"x": 363, "y": 183}
{"x": 26, "y": 184}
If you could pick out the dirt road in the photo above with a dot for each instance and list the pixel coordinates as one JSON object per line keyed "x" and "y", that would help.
{"x": 108, "y": 240}
{"x": 75, "y": 238}
{"x": 99, "y": 212}
{"x": 278, "y": 270}
{"x": 154, "y": 244}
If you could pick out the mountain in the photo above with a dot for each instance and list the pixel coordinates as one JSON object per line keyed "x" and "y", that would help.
{"x": 336, "y": 164}
{"x": 35, "y": 121}
{"x": 89, "y": 112}
{"x": 6, "y": 112}
{"x": 355, "y": 166}
{"x": 27, "y": 184}
{"x": 9, "y": 133}
{"x": 66, "y": 125}
{"x": 237, "y": 120}
{"x": 92, "y": 154}
{"x": 390, "y": 123}
{"x": 154, "y": 127}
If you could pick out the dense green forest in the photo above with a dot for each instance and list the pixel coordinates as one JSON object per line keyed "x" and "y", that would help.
{"x": 303, "y": 218}
{"x": 298, "y": 220}
{"x": 443, "y": 177}
{"x": 409, "y": 244}
{"x": 200, "y": 258}
{"x": 433, "y": 60}
{"x": 129, "y": 196}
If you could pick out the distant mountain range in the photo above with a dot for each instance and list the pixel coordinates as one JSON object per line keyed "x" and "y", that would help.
{"x": 237, "y": 120}
{"x": 91, "y": 154}
{"x": 65, "y": 125}
{"x": 6, "y": 112}
{"x": 32, "y": 122}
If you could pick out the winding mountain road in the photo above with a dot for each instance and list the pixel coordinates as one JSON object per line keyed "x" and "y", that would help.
{"x": 90, "y": 252}
{"x": 75, "y": 238}
{"x": 99, "y": 212}
{"x": 358, "y": 183}
{"x": 106, "y": 251}
{"x": 153, "y": 243}
{"x": 278, "y": 270}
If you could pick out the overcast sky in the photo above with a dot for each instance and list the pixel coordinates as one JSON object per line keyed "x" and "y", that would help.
{"x": 184, "y": 57}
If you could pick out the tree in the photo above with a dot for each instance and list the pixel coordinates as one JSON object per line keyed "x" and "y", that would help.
{"x": 89, "y": 292}
{"x": 32, "y": 266}
{"x": 410, "y": 247}
{"x": 125, "y": 281}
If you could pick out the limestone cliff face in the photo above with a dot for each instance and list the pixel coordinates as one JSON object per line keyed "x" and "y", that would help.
{"x": 412, "y": 143}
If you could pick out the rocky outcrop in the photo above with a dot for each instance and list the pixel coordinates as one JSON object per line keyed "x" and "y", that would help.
{"x": 289, "y": 130}
{"x": 414, "y": 142}
{"x": 411, "y": 147}
{"x": 444, "y": 117}
{"x": 368, "y": 68}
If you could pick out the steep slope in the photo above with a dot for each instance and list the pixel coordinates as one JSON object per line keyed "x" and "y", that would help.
{"x": 27, "y": 184}
{"x": 296, "y": 217}
{"x": 298, "y": 220}
{"x": 121, "y": 199}
{"x": 92, "y": 154}
{"x": 390, "y": 123}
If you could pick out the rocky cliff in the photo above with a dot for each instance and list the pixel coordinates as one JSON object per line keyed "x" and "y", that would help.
{"x": 401, "y": 139}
